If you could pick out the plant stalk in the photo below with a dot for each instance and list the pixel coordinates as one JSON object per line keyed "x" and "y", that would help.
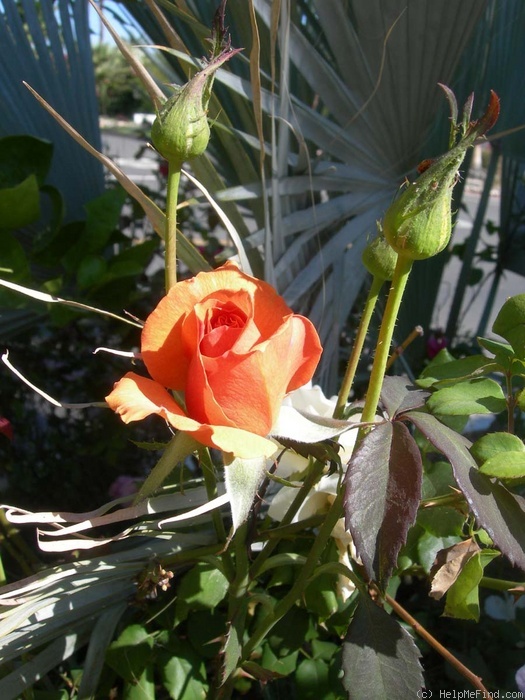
{"x": 210, "y": 482}
{"x": 284, "y": 605}
{"x": 170, "y": 238}
{"x": 433, "y": 642}
{"x": 353, "y": 361}
{"x": 302, "y": 493}
{"x": 397, "y": 288}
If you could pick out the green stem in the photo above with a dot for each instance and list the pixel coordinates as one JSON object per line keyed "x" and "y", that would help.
{"x": 170, "y": 238}
{"x": 397, "y": 288}
{"x": 351, "y": 368}
{"x": 303, "y": 492}
{"x": 191, "y": 555}
{"x": 497, "y": 584}
{"x": 210, "y": 482}
{"x": 511, "y": 403}
{"x": 295, "y": 593}
{"x": 237, "y": 610}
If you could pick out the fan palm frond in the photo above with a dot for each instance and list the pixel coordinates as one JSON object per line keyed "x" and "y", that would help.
{"x": 48, "y": 46}
{"x": 345, "y": 119}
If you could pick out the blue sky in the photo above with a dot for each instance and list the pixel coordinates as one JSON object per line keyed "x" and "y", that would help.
{"x": 115, "y": 13}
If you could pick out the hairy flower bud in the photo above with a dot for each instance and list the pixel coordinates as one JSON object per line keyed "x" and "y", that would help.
{"x": 418, "y": 224}
{"x": 181, "y": 130}
{"x": 379, "y": 258}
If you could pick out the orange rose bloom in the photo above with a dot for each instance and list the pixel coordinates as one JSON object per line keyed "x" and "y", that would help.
{"x": 233, "y": 348}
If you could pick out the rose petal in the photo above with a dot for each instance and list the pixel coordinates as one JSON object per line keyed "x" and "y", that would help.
{"x": 135, "y": 397}
{"x": 247, "y": 390}
{"x": 161, "y": 336}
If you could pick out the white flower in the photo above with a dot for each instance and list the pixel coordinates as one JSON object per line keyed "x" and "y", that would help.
{"x": 310, "y": 399}
{"x": 520, "y": 679}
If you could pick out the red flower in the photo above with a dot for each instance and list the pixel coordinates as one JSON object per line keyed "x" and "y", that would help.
{"x": 231, "y": 346}
{"x": 6, "y": 428}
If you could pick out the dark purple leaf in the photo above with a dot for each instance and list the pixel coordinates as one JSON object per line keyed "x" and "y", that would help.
{"x": 380, "y": 659}
{"x": 399, "y": 395}
{"x": 497, "y": 510}
{"x": 383, "y": 489}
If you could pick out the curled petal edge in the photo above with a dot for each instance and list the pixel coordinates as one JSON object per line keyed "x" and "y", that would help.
{"x": 135, "y": 398}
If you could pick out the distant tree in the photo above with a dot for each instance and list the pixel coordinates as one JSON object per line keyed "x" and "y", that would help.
{"x": 119, "y": 92}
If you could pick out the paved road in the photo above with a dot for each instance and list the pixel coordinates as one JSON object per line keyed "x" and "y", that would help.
{"x": 474, "y": 301}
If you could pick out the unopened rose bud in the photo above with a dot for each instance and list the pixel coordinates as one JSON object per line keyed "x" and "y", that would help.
{"x": 418, "y": 224}
{"x": 181, "y": 130}
{"x": 379, "y": 258}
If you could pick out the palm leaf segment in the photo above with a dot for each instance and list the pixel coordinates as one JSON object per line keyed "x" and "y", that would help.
{"x": 47, "y": 45}
{"x": 348, "y": 92}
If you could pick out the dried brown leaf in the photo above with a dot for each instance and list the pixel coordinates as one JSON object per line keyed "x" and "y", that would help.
{"x": 448, "y": 565}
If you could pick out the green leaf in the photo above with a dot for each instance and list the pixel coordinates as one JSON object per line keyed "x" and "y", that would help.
{"x": 510, "y": 323}
{"x": 465, "y": 398}
{"x": 507, "y": 465}
{"x": 242, "y": 478}
{"x": 103, "y": 215}
{"x": 520, "y": 400}
{"x": 20, "y": 204}
{"x": 280, "y": 665}
{"x": 13, "y": 260}
{"x": 451, "y": 371}
{"x": 142, "y": 688}
{"x": 313, "y": 681}
{"x": 91, "y": 270}
{"x": 205, "y": 630}
{"x": 320, "y": 596}
{"x": 131, "y": 652}
{"x": 290, "y": 632}
{"x": 463, "y": 596}
{"x": 324, "y": 650}
{"x": 202, "y": 588}
{"x": 380, "y": 658}
{"x": 383, "y": 490}
{"x": 183, "y": 671}
{"x": 441, "y": 521}
{"x": 493, "y": 444}
{"x": 503, "y": 352}
{"x": 232, "y": 649}
{"x": 499, "y": 512}
{"x": 21, "y": 156}
{"x": 429, "y": 546}
{"x": 437, "y": 479}
{"x": 134, "y": 258}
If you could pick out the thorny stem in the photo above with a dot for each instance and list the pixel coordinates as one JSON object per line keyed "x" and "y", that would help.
{"x": 433, "y": 642}
{"x": 399, "y": 281}
{"x": 210, "y": 482}
{"x": 305, "y": 489}
{"x": 511, "y": 403}
{"x": 284, "y": 605}
{"x": 170, "y": 238}
{"x": 237, "y": 609}
{"x": 351, "y": 368}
